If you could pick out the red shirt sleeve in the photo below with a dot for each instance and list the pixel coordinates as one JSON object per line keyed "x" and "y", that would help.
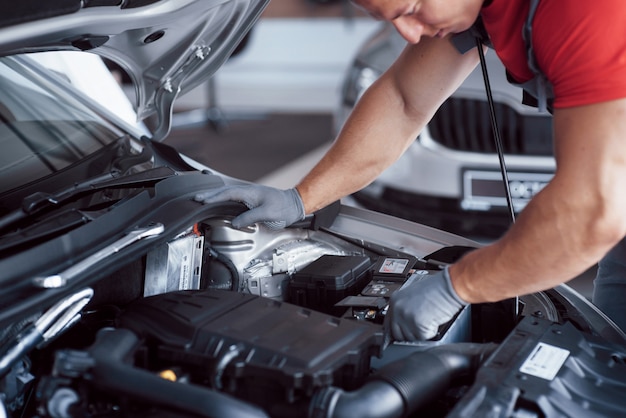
{"x": 579, "y": 45}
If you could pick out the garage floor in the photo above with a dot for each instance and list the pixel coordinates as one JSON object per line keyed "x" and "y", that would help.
{"x": 256, "y": 147}
{"x": 276, "y": 142}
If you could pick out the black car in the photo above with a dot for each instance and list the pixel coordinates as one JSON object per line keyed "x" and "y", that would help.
{"x": 121, "y": 296}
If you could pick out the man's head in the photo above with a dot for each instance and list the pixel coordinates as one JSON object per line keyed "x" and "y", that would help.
{"x": 414, "y": 18}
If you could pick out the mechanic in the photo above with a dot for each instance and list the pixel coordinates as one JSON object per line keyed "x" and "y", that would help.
{"x": 577, "y": 219}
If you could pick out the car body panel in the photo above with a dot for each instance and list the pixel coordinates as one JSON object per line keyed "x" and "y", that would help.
{"x": 167, "y": 47}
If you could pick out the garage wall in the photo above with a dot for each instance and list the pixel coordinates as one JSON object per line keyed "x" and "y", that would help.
{"x": 294, "y": 61}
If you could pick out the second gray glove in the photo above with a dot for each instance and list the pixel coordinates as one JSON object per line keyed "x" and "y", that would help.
{"x": 274, "y": 207}
{"x": 417, "y": 310}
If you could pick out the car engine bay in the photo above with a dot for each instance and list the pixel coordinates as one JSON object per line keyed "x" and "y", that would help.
{"x": 257, "y": 322}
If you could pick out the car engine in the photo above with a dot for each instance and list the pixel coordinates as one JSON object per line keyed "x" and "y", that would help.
{"x": 253, "y": 322}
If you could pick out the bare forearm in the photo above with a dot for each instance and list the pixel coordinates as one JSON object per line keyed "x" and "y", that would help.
{"x": 546, "y": 247}
{"x": 571, "y": 224}
{"x": 373, "y": 138}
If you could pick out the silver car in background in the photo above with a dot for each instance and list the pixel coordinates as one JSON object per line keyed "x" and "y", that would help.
{"x": 450, "y": 177}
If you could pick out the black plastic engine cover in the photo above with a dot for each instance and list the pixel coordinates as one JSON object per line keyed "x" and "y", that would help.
{"x": 543, "y": 369}
{"x": 247, "y": 345}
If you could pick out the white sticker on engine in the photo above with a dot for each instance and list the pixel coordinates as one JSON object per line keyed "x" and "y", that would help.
{"x": 545, "y": 361}
{"x": 393, "y": 265}
{"x": 185, "y": 273}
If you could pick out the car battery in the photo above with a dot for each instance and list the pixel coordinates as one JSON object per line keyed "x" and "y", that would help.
{"x": 327, "y": 280}
{"x": 388, "y": 276}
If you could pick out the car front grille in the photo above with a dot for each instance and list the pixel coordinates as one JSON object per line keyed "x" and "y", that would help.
{"x": 464, "y": 125}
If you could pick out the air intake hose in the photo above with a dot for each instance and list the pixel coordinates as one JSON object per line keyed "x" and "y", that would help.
{"x": 404, "y": 386}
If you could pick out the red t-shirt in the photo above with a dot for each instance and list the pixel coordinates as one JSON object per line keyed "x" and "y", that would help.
{"x": 580, "y": 46}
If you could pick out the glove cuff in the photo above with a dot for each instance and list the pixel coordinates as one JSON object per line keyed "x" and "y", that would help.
{"x": 295, "y": 194}
{"x": 451, "y": 292}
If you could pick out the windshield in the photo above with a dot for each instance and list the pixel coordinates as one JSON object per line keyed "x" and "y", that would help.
{"x": 42, "y": 128}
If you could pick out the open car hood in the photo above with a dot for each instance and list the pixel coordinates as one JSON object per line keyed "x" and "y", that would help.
{"x": 167, "y": 47}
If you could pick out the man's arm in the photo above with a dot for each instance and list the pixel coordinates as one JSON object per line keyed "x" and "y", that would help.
{"x": 382, "y": 125}
{"x": 571, "y": 223}
{"x": 387, "y": 118}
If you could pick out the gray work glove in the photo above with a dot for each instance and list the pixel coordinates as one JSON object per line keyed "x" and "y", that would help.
{"x": 417, "y": 310}
{"x": 275, "y": 208}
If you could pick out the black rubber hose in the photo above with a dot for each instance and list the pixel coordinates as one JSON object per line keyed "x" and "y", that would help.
{"x": 404, "y": 386}
{"x": 375, "y": 399}
{"x": 229, "y": 266}
{"x": 112, "y": 372}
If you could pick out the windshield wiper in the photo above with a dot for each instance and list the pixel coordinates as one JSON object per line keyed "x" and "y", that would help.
{"x": 63, "y": 278}
{"x": 38, "y": 202}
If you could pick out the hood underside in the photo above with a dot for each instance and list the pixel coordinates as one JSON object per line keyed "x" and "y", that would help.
{"x": 167, "y": 47}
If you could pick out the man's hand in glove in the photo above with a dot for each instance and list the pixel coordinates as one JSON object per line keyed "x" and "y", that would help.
{"x": 417, "y": 310}
{"x": 276, "y": 208}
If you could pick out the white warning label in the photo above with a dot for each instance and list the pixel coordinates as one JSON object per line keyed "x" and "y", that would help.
{"x": 545, "y": 361}
{"x": 393, "y": 265}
